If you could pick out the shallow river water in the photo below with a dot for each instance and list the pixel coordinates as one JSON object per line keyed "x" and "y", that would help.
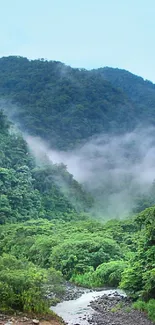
{"x": 77, "y": 311}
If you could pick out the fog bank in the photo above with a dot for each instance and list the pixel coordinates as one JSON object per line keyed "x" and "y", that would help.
{"x": 117, "y": 170}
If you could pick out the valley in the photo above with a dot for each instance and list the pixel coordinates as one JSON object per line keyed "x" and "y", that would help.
{"x": 77, "y": 191}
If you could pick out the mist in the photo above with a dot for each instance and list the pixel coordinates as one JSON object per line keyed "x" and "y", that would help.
{"x": 116, "y": 170}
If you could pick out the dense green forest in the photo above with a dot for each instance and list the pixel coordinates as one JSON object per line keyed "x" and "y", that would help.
{"x": 66, "y": 106}
{"x": 63, "y": 105}
{"x": 46, "y": 232}
{"x": 141, "y": 92}
{"x": 30, "y": 191}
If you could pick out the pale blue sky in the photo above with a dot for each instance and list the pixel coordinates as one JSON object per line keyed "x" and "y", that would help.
{"x": 82, "y": 33}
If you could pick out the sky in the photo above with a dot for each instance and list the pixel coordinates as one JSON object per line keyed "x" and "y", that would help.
{"x": 82, "y": 33}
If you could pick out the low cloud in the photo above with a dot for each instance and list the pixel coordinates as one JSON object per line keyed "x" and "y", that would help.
{"x": 115, "y": 169}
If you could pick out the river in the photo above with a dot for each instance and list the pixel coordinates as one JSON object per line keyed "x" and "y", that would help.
{"x": 78, "y": 311}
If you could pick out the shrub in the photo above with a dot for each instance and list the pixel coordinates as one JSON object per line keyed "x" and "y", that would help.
{"x": 149, "y": 284}
{"x": 23, "y": 286}
{"x": 109, "y": 273}
{"x": 148, "y": 307}
{"x": 151, "y": 309}
{"x": 140, "y": 305}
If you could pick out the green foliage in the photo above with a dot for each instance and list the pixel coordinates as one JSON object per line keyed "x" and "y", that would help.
{"x": 76, "y": 254}
{"x": 148, "y": 307}
{"x": 59, "y": 191}
{"x": 140, "y": 91}
{"x": 47, "y": 244}
{"x": 132, "y": 278}
{"x": 109, "y": 274}
{"x": 88, "y": 252}
{"x": 139, "y": 277}
{"x": 151, "y": 309}
{"x": 23, "y": 286}
{"x": 65, "y": 106}
{"x": 85, "y": 279}
{"x": 27, "y": 191}
{"x": 149, "y": 283}
{"x": 139, "y": 305}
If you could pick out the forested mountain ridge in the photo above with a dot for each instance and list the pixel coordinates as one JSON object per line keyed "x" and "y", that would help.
{"x": 66, "y": 106}
{"x": 63, "y": 105}
{"x": 141, "y": 92}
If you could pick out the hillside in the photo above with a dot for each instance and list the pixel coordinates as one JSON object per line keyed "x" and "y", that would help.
{"x": 63, "y": 105}
{"x": 31, "y": 191}
{"x": 141, "y": 92}
{"x": 66, "y": 106}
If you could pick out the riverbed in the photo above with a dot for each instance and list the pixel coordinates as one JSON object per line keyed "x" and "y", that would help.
{"x": 79, "y": 311}
{"x": 99, "y": 307}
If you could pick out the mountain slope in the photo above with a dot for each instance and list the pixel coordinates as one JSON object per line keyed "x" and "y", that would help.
{"x": 63, "y": 105}
{"x": 28, "y": 191}
{"x": 141, "y": 92}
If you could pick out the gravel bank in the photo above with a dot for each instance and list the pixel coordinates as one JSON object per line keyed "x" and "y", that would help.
{"x": 116, "y": 310}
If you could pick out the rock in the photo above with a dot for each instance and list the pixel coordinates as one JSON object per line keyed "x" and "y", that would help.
{"x": 12, "y": 319}
{"x": 25, "y": 319}
{"x": 35, "y": 321}
{"x": 2, "y": 317}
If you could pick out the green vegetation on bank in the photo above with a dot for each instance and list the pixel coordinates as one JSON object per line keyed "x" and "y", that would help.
{"x": 147, "y": 307}
{"x": 89, "y": 253}
{"x": 24, "y": 286}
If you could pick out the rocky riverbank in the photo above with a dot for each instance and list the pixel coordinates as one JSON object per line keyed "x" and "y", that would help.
{"x": 26, "y": 320}
{"x": 72, "y": 291}
{"x": 114, "y": 309}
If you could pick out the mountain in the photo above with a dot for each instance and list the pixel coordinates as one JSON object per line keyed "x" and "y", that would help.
{"x": 68, "y": 107}
{"x": 65, "y": 106}
{"x": 141, "y": 92}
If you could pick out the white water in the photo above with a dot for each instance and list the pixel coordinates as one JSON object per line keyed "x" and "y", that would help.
{"x": 78, "y": 311}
